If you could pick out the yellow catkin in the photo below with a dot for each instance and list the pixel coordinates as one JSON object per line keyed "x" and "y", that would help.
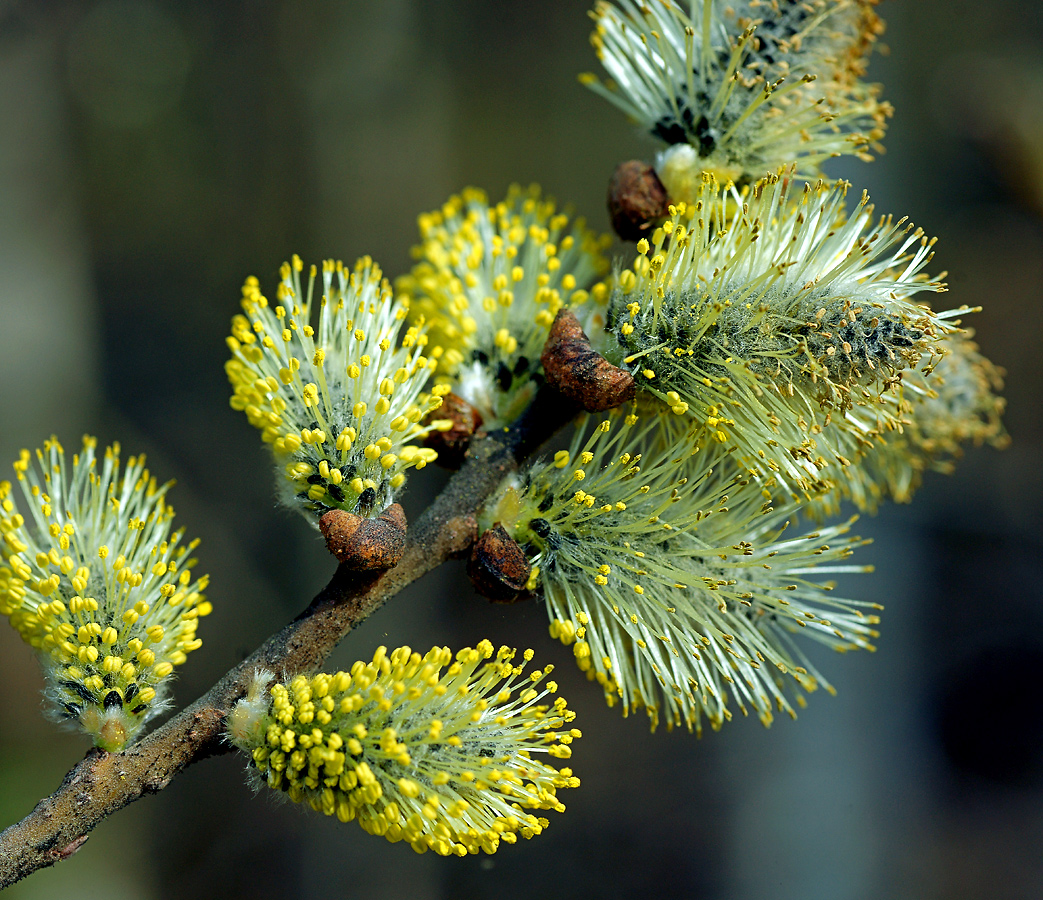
{"x": 103, "y": 591}
{"x": 324, "y": 394}
{"x": 737, "y": 97}
{"x": 489, "y": 281}
{"x": 670, "y": 579}
{"x": 767, "y": 316}
{"x": 443, "y": 753}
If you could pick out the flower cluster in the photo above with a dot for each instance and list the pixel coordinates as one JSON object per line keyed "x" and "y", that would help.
{"x": 490, "y": 280}
{"x": 675, "y": 584}
{"x": 340, "y": 401}
{"x": 768, "y": 315}
{"x": 742, "y": 88}
{"x": 440, "y": 753}
{"x": 779, "y": 360}
{"x": 97, "y": 584}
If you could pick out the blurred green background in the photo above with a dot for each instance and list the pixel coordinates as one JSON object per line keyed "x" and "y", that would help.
{"x": 153, "y": 154}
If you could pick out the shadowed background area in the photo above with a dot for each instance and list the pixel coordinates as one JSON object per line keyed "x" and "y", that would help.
{"x": 153, "y": 154}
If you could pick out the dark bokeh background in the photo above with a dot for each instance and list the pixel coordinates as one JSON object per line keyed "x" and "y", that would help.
{"x": 154, "y": 153}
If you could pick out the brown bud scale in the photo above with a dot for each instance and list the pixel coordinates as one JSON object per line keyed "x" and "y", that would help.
{"x": 365, "y": 545}
{"x": 636, "y": 199}
{"x": 451, "y": 446}
{"x": 582, "y": 374}
{"x": 498, "y": 567}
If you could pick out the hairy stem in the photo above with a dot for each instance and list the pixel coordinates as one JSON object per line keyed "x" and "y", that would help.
{"x": 103, "y": 783}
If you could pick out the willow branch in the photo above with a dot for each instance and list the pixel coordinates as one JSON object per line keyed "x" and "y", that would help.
{"x": 103, "y": 783}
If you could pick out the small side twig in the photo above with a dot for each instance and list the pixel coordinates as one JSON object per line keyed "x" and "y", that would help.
{"x": 103, "y": 783}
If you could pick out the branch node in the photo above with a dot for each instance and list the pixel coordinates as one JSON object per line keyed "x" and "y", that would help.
{"x": 71, "y": 848}
{"x": 462, "y": 532}
{"x": 155, "y": 785}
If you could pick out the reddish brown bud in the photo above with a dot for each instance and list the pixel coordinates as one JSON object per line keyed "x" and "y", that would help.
{"x": 452, "y": 445}
{"x": 636, "y": 199}
{"x": 498, "y": 568}
{"x": 365, "y": 545}
{"x": 70, "y": 849}
{"x": 582, "y": 374}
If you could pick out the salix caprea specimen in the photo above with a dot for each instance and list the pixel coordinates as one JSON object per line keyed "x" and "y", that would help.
{"x": 768, "y": 355}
